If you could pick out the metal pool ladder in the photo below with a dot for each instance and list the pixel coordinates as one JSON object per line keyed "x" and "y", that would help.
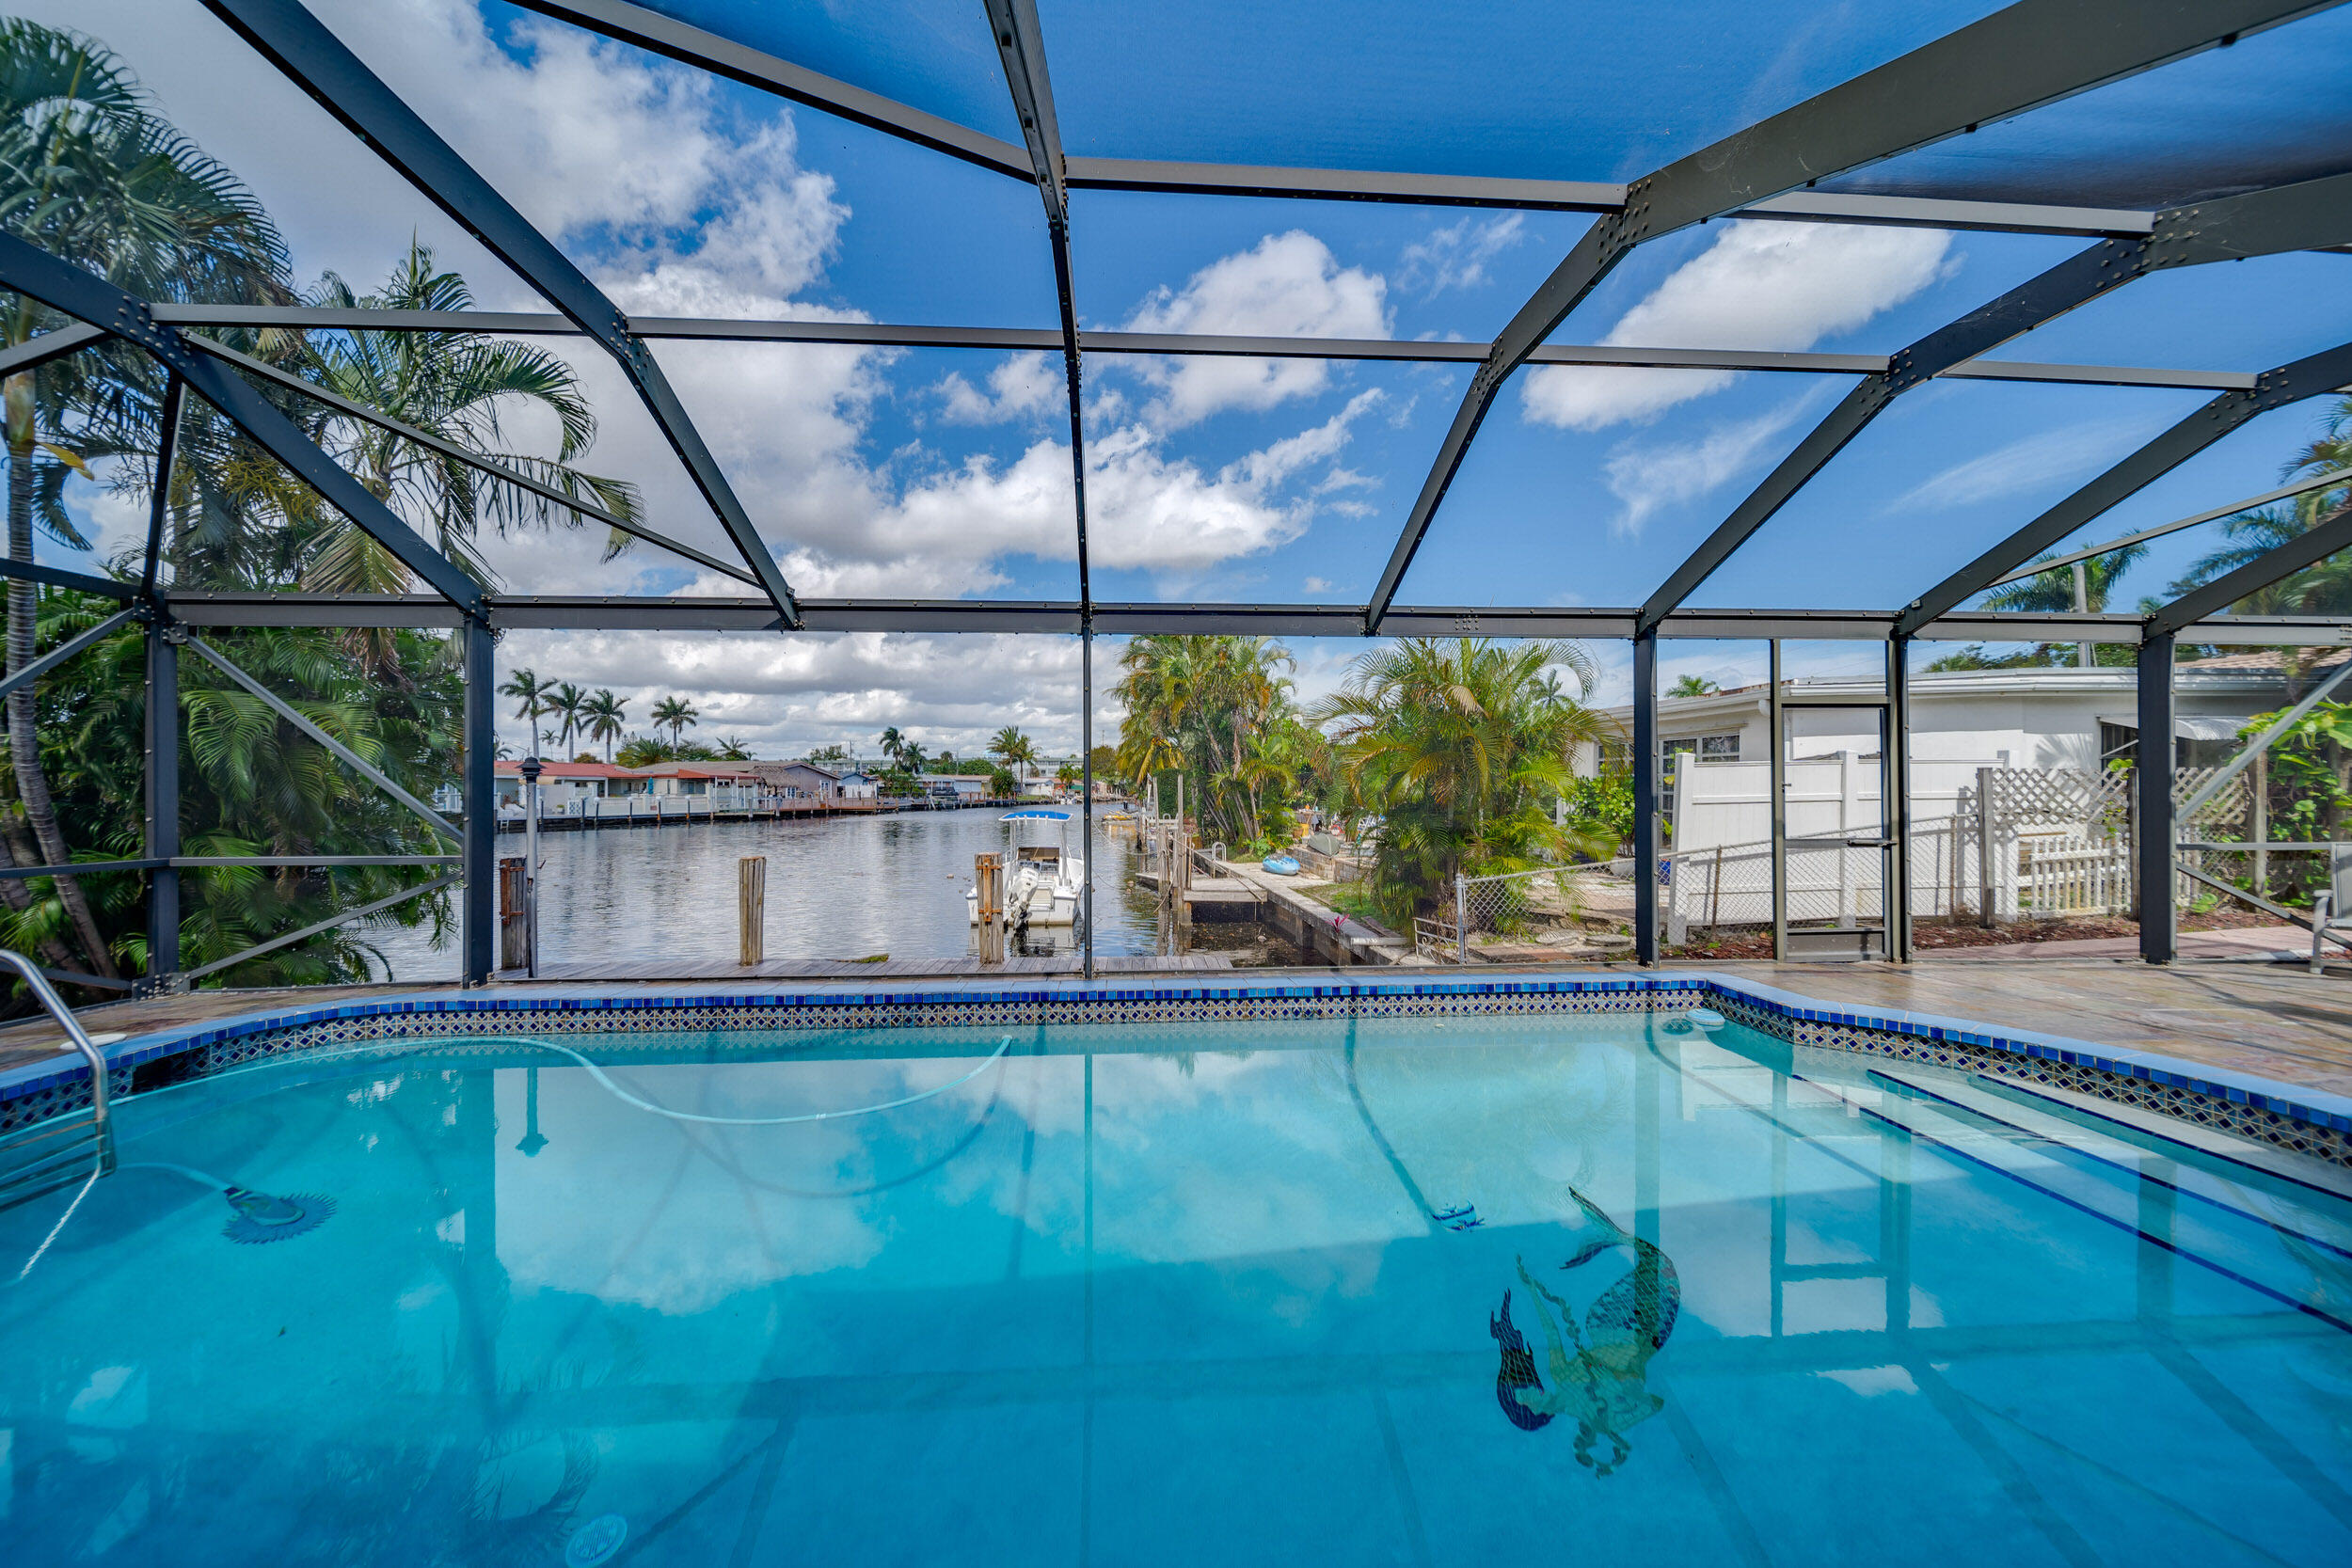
{"x": 71, "y": 1145}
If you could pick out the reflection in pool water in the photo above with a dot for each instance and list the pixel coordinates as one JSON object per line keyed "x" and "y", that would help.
{"x": 1154, "y": 1294}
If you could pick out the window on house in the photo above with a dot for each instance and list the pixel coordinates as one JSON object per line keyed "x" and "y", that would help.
{"x": 1719, "y": 748}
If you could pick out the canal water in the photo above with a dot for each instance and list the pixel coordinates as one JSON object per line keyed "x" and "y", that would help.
{"x": 842, "y": 887}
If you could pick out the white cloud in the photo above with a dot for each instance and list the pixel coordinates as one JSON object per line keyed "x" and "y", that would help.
{"x": 682, "y": 201}
{"x": 1648, "y": 477}
{"x": 1455, "y": 256}
{"x": 1022, "y": 386}
{"x": 1146, "y": 509}
{"x": 786, "y": 696}
{"x": 1315, "y": 585}
{"x": 1286, "y": 286}
{"x": 598, "y": 141}
{"x": 1761, "y": 285}
{"x": 2032, "y": 463}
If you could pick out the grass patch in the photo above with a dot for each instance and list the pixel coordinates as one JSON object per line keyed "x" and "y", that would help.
{"x": 1352, "y": 899}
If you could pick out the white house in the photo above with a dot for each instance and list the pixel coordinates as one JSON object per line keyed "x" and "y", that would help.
{"x": 1976, "y": 735}
{"x": 2039, "y": 718}
{"x": 561, "y": 782}
{"x": 961, "y": 787}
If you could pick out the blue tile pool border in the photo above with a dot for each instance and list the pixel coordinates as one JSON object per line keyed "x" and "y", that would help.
{"x": 2290, "y": 1117}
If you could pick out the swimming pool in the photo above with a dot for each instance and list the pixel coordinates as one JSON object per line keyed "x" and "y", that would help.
{"x": 1382, "y": 1290}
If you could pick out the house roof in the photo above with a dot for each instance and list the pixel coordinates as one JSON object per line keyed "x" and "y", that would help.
{"x": 567, "y": 770}
{"x": 687, "y": 770}
{"x": 2256, "y": 673}
{"x": 2267, "y": 662}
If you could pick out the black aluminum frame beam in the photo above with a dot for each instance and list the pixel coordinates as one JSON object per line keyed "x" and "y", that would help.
{"x": 28, "y": 571}
{"x": 2307, "y": 378}
{"x": 1011, "y": 340}
{"x": 2030, "y": 54}
{"x": 2326, "y": 536}
{"x": 721, "y": 56}
{"x": 2259, "y": 223}
{"x": 88, "y": 297}
{"x": 71, "y": 646}
{"x": 1584, "y": 196}
{"x": 54, "y": 344}
{"x": 314, "y": 59}
{"x": 1020, "y": 46}
{"x": 2333, "y": 479}
{"x": 701, "y": 613}
{"x": 473, "y": 460}
{"x": 658, "y": 34}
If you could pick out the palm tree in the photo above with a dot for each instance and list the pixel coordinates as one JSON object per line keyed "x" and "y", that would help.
{"x": 2083, "y": 587}
{"x": 2323, "y": 588}
{"x": 1460, "y": 748}
{"x": 457, "y": 386}
{"x": 1694, "y": 686}
{"x": 894, "y": 745}
{"x": 566, "y": 705}
{"x": 1208, "y": 707}
{"x": 602, "y": 716}
{"x": 912, "y": 757}
{"x": 90, "y": 173}
{"x": 676, "y": 713}
{"x": 1068, "y": 776}
{"x": 531, "y": 695}
{"x": 1013, "y": 749}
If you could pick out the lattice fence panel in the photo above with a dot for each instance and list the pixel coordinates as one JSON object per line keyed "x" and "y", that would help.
{"x": 2053, "y": 796}
{"x": 2224, "y": 814}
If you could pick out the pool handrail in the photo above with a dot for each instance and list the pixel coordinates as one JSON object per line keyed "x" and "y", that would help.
{"x": 46, "y": 995}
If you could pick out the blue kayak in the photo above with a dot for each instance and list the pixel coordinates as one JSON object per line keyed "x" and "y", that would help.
{"x": 1282, "y": 865}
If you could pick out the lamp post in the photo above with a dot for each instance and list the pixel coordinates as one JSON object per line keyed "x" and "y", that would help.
{"x": 530, "y": 767}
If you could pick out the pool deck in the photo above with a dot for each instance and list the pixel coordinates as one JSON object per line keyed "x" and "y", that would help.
{"x": 2269, "y": 1021}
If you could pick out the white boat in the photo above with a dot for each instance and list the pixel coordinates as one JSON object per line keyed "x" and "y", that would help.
{"x": 1045, "y": 884}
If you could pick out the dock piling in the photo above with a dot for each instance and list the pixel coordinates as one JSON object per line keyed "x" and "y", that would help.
{"x": 750, "y": 907}
{"x": 987, "y": 876}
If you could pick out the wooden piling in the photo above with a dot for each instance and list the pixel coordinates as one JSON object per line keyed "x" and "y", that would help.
{"x": 987, "y": 876}
{"x": 751, "y": 903}
{"x": 514, "y": 915}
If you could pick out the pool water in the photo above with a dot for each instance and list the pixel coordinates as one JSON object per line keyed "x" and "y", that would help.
{"x": 1170, "y": 1295}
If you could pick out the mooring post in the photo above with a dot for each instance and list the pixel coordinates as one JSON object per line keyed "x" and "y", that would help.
{"x": 987, "y": 881}
{"x": 751, "y": 908}
{"x": 514, "y": 919}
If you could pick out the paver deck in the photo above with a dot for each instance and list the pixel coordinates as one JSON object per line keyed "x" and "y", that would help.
{"x": 2276, "y": 1022}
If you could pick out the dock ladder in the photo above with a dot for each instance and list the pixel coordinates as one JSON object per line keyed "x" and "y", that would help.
{"x": 75, "y": 1146}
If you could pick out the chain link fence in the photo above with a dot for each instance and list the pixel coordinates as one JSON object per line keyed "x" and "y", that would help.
{"x": 2022, "y": 845}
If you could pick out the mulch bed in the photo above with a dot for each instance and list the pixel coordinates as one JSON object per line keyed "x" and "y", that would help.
{"x": 1930, "y": 935}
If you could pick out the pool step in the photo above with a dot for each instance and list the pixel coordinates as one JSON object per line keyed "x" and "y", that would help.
{"x": 55, "y": 1154}
{"x": 2208, "y": 1167}
{"x": 2292, "y": 1254}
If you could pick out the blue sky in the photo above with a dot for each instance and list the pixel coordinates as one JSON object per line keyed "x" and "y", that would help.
{"x": 944, "y": 472}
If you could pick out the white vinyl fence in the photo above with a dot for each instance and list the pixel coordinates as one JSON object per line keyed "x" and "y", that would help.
{"x": 1996, "y": 844}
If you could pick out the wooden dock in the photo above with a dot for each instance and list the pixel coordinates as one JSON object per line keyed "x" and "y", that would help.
{"x": 846, "y": 969}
